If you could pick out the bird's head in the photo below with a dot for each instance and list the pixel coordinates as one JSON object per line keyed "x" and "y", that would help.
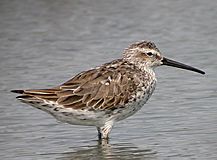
{"x": 143, "y": 53}
{"x": 146, "y": 54}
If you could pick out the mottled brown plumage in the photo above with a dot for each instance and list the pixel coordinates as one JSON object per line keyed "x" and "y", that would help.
{"x": 108, "y": 93}
{"x": 109, "y": 86}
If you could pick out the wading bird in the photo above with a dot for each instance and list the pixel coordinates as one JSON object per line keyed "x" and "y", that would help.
{"x": 109, "y": 93}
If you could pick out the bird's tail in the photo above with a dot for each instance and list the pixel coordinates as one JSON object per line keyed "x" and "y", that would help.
{"x": 36, "y": 94}
{"x": 26, "y": 98}
{"x": 18, "y": 91}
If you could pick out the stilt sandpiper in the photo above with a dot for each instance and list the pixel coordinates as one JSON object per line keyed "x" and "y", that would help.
{"x": 109, "y": 93}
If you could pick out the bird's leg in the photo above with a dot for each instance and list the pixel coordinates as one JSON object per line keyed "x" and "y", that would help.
{"x": 99, "y": 133}
{"x": 103, "y": 132}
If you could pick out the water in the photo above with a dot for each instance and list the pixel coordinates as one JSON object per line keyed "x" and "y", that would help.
{"x": 45, "y": 42}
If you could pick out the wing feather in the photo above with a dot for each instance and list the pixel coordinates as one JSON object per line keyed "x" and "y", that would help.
{"x": 105, "y": 87}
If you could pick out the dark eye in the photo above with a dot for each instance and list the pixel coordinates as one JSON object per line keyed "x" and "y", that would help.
{"x": 149, "y": 54}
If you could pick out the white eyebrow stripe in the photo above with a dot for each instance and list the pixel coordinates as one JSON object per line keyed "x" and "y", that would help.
{"x": 146, "y": 50}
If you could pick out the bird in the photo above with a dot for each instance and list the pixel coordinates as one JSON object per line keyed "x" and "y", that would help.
{"x": 107, "y": 93}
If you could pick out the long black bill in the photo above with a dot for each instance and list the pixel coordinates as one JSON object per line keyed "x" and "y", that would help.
{"x": 173, "y": 63}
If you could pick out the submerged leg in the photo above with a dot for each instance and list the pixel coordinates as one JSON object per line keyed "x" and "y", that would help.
{"x": 103, "y": 132}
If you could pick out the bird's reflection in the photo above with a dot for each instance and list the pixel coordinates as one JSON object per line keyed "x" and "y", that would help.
{"x": 101, "y": 150}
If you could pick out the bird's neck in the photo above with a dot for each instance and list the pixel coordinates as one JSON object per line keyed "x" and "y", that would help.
{"x": 143, "y": 67}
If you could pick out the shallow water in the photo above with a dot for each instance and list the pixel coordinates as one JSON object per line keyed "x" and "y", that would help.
{"x": 45, "y": 42}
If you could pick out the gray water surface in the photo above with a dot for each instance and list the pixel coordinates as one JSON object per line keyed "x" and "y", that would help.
{"x": 45, "y": 42}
